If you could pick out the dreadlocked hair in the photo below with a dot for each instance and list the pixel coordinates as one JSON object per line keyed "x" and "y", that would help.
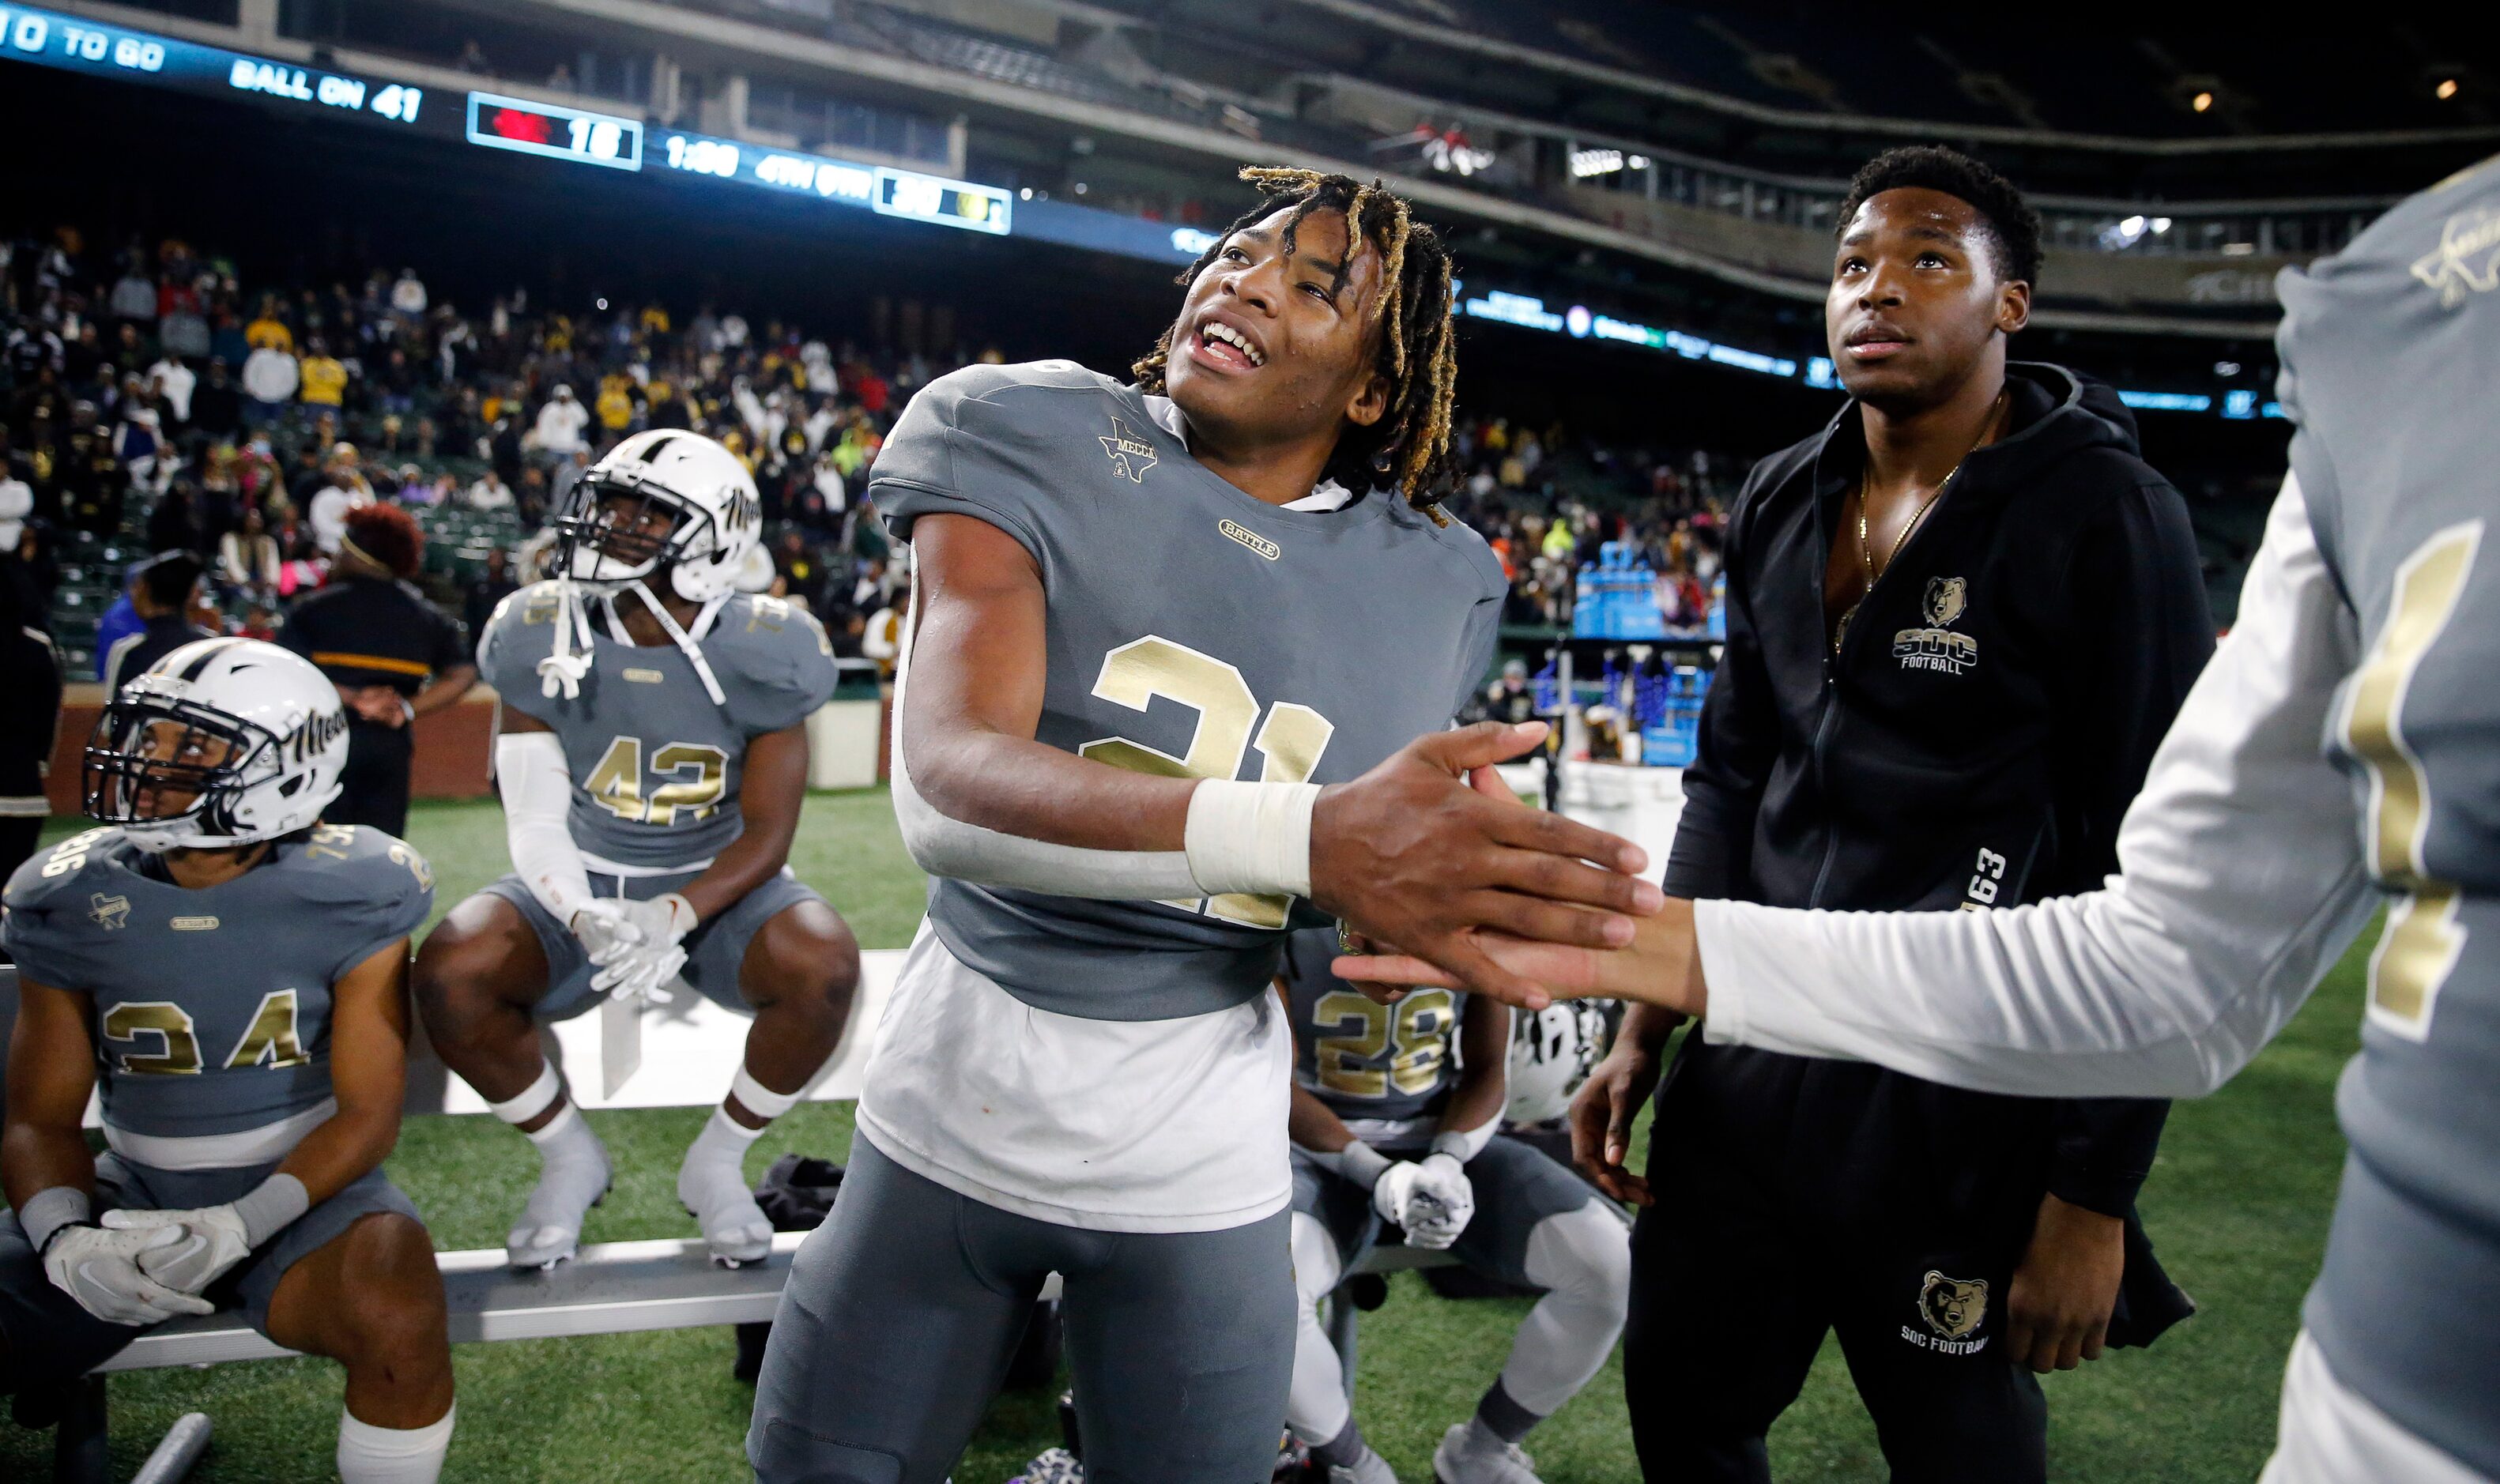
{"x": 1410, "y": 447}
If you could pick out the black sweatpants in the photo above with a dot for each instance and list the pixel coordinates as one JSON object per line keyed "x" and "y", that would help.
{"x": 374, "y": 785}
{"x": 1798, "y": 1195}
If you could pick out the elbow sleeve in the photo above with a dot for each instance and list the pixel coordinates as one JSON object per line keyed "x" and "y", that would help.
{"x": 538, "y": 792}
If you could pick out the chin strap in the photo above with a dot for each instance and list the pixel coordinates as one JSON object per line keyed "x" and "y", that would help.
{"x": 561, "y": 672}
{"x": 685, "y": 641}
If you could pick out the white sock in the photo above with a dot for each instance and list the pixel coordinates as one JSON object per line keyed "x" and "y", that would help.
{"x": 372, "y": 1455}
{"x": 712, "y": 1185}
{"x": 574, "y": 1173}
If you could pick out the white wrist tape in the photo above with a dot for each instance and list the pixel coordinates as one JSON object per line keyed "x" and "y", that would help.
{"x": 1250, "y": 836}
{"x": 537, "y": 795}
{"x": 533, "y": 1098}
{"x": 1465, "y": 1144}
{"x": 52, "y": 1209}
{"x": 1357, "y": 1162}
{"x": 271, "y": 1204}
{"x": 761, "y": 1100}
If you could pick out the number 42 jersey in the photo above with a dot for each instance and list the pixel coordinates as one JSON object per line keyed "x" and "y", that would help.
{"x": 212, "y": 1006}
{"x": 656, "y": 764}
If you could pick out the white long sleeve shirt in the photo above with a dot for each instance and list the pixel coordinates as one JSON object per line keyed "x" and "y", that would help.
{"x": 2241, "y": 881}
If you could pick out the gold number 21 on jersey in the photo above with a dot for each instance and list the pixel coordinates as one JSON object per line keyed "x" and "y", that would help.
{"x": 1290, "y": 741}
{"x": 2422, "y": 940}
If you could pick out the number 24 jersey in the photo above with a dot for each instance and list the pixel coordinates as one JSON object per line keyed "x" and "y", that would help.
{"x": 212, "y": 1005}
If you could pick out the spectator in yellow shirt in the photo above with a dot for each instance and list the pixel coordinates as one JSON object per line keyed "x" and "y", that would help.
{"x": 326, "y": 378}
{"x": 615, "y": 407}
{"x": 267, "y": 330}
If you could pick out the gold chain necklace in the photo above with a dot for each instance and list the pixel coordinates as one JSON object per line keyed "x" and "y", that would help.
{"x": 1866, "y": 555}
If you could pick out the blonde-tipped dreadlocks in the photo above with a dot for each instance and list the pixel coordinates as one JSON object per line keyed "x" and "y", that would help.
{"x": 1410, "y": 447}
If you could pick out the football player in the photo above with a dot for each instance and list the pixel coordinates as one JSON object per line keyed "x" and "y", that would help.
{"x": 235, "y": 976}
{"x": 1123, "y": 592}
{"x": 1395, "y": 1111}
{"x": 652, "y": 761}
{"x": 2334, "y": 760}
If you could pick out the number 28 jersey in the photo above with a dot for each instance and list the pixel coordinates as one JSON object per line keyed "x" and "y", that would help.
{"x": 1190, "y": 630}
{"x": 655, "y": 765}
{"x": 1387, "y": 1070}
{"x": 212, "y": 1006}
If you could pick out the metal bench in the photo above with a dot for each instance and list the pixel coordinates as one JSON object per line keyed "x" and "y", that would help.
{"x": 613, "y": 1288}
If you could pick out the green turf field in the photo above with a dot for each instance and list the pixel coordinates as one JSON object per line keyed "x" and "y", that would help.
{"x": 2237, "y": 1206}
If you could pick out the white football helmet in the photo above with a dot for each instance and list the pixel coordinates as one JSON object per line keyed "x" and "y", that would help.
{"x": 662, "y": 498}
{"x": 1551, "y": 1053}
{"x": 222, "y": 743}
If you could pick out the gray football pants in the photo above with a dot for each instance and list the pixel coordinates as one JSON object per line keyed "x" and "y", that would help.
{"x": 903, "y": 1307}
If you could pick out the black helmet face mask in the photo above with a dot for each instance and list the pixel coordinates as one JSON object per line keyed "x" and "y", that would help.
{"x": 153, "y": 760}
{"x": 615, "y": 530}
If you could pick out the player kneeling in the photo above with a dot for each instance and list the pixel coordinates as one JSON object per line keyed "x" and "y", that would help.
{"x": 655, "y": 745}
{"x": 240, "y": 975}
{"x": 1390, "y": 1128}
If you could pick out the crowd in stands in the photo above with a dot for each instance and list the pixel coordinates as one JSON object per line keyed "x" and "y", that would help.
{"x": 154, "y": 402}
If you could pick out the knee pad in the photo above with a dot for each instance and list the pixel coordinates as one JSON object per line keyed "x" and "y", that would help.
{"x": 1586, "y": 1254}
{"x": 1316, "y": 1263}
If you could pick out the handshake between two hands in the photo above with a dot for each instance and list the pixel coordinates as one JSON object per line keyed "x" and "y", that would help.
{"x": 1466, "y": 887}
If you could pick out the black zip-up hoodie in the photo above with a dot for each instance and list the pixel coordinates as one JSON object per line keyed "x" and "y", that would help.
{"x": 1991, "y": 712}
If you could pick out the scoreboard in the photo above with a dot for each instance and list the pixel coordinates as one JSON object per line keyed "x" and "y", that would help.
{"x": 558, "y": 133}
{"x": 551, "y": 131}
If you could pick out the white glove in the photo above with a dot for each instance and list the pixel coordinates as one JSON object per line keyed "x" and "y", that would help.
{"x": 1430, "y": 1198}
{"x": 209, "y": 1240}
{"x": 605, "y": 930}
{"x": 663, "y": 921}
{"x": 1442, "y": 1203}
{"x": 100, "y": 1270}
{"x": 640, "y": 970}
{"x": 640, "y": 974}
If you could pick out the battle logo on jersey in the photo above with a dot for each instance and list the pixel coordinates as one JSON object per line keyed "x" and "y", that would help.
{"x": 1250, "y": 539}
{"x": 109, "y": 911}
{"x": 1954, "y": 1309}
{"x": 1936, "y": 647}
{"x": 1130, "y": 455}
{"x": 2467, "y": 259}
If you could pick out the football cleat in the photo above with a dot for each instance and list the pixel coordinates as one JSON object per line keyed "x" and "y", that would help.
{"x": 1054, "y": 1466}
{"x": 1370, "y": 1469}
{"x": 1463, "y": 1460}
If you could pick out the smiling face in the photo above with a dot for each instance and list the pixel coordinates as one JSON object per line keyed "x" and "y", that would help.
{"x": 1274, "y": 346}
{"x": 1916, "y": 302}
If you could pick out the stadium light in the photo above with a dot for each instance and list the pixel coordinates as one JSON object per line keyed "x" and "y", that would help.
{"x": 2160, "y": 225}
{"x": 1596, "y": 162}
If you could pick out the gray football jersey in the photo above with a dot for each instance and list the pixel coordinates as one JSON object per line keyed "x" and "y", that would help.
{"x": 1363, "y": 1059}
{"x": 212, "y": 1005}
{"x": 655, "y": 764}
{"x": 2391, "y": 354}
{"x": 1192, "y": 630}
